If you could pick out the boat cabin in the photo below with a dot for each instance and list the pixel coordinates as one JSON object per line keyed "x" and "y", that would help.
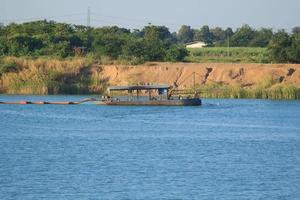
{"x": 154, "y": 92}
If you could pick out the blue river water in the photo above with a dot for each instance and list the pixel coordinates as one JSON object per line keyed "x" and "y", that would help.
{"x": 226, "y": 149}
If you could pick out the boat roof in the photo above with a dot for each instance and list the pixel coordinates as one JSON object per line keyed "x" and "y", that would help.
{"x": 138, "y": 87}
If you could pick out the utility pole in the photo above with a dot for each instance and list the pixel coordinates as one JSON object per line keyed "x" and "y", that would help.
{"x": 194, "y": 80}
{"x": 228, "y": 46}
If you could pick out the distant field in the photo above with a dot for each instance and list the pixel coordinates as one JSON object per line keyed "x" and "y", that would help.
{"x": 225, "y": 55}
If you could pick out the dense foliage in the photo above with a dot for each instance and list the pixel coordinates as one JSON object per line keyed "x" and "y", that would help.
{"x": 152, "y": 43}
{"x": 284, "y": 47}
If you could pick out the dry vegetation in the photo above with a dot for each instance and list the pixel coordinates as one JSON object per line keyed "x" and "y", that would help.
{"x": 48, "y": 76}
{"x": 85, "y": 76}
{"x": 275, "y": 91}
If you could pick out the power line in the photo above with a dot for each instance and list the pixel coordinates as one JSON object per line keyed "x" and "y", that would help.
{"x": 110, "y": 22}
{"x": 145, "y": 21}
{"x": 41, "y": 18}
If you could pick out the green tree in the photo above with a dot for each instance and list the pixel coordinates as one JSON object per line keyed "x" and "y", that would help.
{"x": 243, "y": 36}
{"x": 262, "y": 38}
{"x": 206, "y": 35}
{"x": 229, "y": 32}
{"x": 293, "y": 52}
{"x": 3, "y": 46}
{"x": 196, "y": 35}
{"x": 278, "y": 47}
{"x": 296, "y": 30}
{"x": 157, "y": 33}
{"x": 108, "y": 45}
{"x": 185, "y": 34}
{"x": 134, "y": 49}
{"x": 157, "y": 39}
{"x": 176, "y": 53}
{"x": 23, "y": 44}
{"x": 222, "y": 39}
{"x": 218, "y": 34}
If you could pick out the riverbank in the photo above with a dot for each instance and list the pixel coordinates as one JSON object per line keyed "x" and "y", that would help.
{"x": 84, "y": 76}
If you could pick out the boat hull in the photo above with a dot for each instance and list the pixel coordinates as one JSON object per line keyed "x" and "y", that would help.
{"x": 179, "y": 102}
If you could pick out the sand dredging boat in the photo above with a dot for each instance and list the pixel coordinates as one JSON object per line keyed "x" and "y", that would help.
{"x": 156, "y": 95}
{"x": 138, "y": 95}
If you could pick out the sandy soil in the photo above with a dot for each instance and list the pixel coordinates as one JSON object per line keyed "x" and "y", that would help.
{"x": 181, "y": 74}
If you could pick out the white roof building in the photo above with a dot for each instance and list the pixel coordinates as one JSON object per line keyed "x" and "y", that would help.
{"x": 195, "y": 45}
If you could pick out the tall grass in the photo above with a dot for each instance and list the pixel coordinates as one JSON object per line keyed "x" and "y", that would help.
{"x": 50, "y": 76}
{"x": 232, "y": 55}
{"x": 277, "y": 91}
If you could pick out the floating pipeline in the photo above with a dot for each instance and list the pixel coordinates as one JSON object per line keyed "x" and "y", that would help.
{"x": 41, "y": 103}
{"x": 24, "y": 102}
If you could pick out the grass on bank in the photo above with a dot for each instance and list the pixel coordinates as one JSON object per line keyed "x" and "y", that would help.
{"x": 278, "y": 91}
{"x": 49, "y": 76}
{"x": 228, "y": 55}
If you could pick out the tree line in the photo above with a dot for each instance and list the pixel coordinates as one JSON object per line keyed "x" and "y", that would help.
{"x": 48, "y": 38}
{"x": 282, "y": 46}
{"x": 151, "y": 43}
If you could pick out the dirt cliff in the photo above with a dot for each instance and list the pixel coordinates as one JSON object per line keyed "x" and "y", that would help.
{"x": 81, "y": 76}
{"x": 184, "y": 74}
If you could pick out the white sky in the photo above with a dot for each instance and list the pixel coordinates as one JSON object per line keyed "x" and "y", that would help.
{"x": 171, "y": 13}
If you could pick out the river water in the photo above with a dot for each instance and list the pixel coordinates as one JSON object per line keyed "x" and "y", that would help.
{"x": 226, "y": 149}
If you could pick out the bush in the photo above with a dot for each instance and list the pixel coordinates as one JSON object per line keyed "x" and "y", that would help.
{"x": 176, "y": 53}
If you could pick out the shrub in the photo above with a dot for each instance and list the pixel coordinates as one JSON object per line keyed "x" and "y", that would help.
{"x": 176, "y": 53}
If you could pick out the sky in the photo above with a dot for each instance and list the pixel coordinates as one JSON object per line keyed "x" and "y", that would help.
{"x": 133, "y": 14}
